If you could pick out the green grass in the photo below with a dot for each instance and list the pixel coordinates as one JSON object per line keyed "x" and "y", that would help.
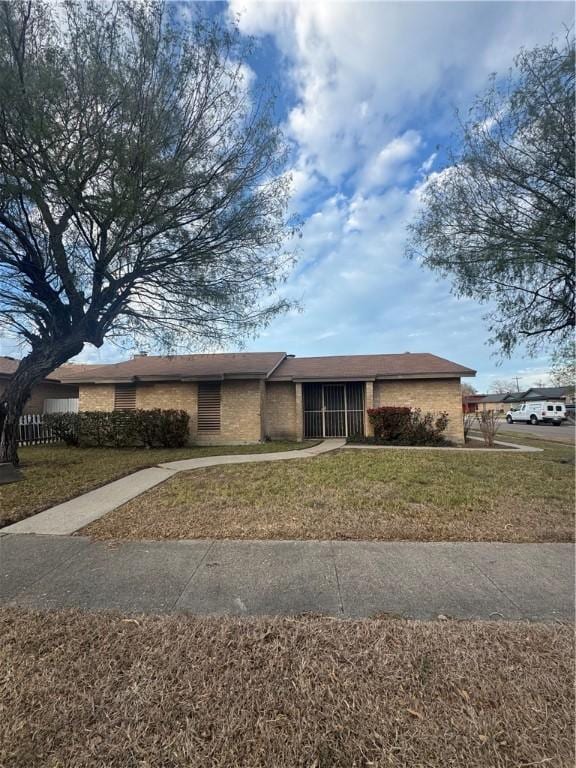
{"x": 55, "y": 473}
{"x": 363, "y": 494}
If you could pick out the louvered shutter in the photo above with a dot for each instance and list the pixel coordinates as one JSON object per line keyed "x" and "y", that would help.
{"x": 209, "y": 406}
{"x": 125, "y": 397}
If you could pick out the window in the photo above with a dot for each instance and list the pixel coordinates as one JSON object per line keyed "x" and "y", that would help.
{"x": 549, "y": 407}
{"x": 125, "y": 397}
{"x": 209, "y": 398}
{"x": 558, "y": 407}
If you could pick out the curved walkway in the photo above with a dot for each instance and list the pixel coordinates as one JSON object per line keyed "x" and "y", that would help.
{"x": 72, "y": 515}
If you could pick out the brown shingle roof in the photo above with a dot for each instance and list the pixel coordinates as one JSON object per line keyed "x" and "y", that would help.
{"x": 368, "y": 367}
{"x": 274, "y": 365}
{"x": 175, "y": 367}
{"x": 8, "y": 366}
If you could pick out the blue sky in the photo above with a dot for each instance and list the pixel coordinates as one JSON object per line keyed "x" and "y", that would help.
{"x": 369, "y": 95}
{"x": 368, "y": 92}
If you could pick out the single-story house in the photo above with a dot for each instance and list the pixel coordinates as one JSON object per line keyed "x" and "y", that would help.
{"x": 565, "y": 394}
{"x": 502, "y": 402}
{"x": 52, "y": 388}
{"x": 498, "y": 402}
{"x": 249, "y": 397}
{"x": 470, "y": 403}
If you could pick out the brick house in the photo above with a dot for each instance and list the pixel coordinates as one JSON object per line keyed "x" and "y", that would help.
{"x": 249, "y": 397}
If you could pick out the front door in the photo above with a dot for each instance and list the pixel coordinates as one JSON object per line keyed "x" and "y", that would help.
{"x": 334, "y": 410}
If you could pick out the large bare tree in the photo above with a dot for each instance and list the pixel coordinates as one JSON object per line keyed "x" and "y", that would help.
{"x": 499, "y": 220}
{"x": 141, "y": 190}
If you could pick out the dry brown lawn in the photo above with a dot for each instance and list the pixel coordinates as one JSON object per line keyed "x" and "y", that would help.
{"x": 86, "y": 691}
{"x": 56, "y": 473}
{"x": 362, "y": 494}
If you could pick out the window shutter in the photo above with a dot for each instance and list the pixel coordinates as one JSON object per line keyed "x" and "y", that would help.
{"x": 125, "y": 397}
{"x": 209, "y": 406}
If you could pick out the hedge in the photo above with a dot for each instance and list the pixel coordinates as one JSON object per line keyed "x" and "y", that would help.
{"x": 122, "y": 429}
{"x": 407, "y": 426}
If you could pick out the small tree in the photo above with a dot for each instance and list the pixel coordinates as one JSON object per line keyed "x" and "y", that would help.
{"x": 468, "y": 389}
{"x": 489, "y": 423}
{"x": 140, "y": 185}
{"x": 470, "y": 422}
{"x": 499, "y": 220}
{"x": 503, "y": 386}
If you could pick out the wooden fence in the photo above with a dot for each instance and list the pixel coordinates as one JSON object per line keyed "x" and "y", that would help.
{"x": 33, "y": 431}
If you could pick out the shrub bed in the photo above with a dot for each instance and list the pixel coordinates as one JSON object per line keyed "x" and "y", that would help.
{"x": 122, "y": 429}
{"x": 398, "y": 425}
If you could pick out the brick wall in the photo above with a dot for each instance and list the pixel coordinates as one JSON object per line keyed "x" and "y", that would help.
{"x": 252, "y": 409}
{"x": 241, "y": 412}
{"x": 96, "y": 397}
{"x": 179, "y": 395}
{"x": 241, "y": 406}
{"x": 280, "y": 419}
{"x": 429, "y": 395}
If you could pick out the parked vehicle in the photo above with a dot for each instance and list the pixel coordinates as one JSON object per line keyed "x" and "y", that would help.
{"x": 547, "y": 412}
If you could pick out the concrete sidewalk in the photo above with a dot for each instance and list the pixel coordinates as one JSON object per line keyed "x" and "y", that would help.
{"x": 71, "y": 516}
{"x": 339, "y": 578}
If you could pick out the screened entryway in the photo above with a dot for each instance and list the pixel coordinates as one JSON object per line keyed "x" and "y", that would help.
{"x": 333, "y": 410}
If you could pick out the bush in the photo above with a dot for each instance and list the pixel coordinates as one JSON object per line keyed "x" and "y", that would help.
{"x": 64, "y": 425}
{"x": 122, "y": 429}
{"x": 406, "y": 426}
{"x": 390, "y": 422}
{"x": 470, "y": 420}
{"x": 489, "y": 422}
{"x": 427, "y": 428}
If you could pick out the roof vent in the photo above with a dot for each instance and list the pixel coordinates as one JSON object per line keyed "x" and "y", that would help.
{"x": 140, "y": 354}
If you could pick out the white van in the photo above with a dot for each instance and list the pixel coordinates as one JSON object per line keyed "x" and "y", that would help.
{"x": 548, "y": 412}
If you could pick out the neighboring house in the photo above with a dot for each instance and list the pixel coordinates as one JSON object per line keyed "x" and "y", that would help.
{"x": 471, "y": 403}
{"x": 496, "y": 402}
{"x": 248, "y": 397}
{"x": 566, "y": 394}
{"x": 52, "y": 388}
{"x": 503, "y": 402}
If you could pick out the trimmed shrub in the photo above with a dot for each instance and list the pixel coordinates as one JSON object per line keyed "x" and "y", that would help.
{"x": 64, "y": 425}
{"x": 122, "y": 429}
{"x": 390, "y": 422}
{"x": 95, "y": 429}
{"x": 400, "y": 425}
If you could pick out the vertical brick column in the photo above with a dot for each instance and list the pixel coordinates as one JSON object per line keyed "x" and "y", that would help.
{"x": 368, "y": 403}
{"x": 263, "y": 412}
{"x": 299, "y": 413}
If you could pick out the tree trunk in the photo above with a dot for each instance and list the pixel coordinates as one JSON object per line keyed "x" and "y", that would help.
{"x": 32, "y": 370}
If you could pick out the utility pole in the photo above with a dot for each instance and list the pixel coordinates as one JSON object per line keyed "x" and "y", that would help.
{"x": 517, "y": 384}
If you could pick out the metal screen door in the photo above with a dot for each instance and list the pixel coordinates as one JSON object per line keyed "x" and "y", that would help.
{"x": 333, "y": 410}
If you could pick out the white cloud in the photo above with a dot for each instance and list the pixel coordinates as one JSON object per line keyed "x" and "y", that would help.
{"x": 376, "y": 87}
{"x": 388, "y": 165}
{"x": 362, "y": 70}
{"x": 429, "y": 162}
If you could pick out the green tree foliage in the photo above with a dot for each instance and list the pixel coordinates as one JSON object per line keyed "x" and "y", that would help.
{"x": 141, "y": 184}
{"x": 499, "y": 220}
